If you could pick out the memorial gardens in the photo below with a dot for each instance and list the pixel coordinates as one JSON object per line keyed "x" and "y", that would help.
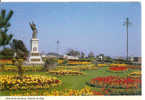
{"x": 26, "y": 72}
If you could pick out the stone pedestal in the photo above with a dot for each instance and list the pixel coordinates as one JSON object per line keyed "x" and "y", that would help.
{"x": 34, "y": 57}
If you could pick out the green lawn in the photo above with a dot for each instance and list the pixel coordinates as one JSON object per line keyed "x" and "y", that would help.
{"x": 70, "y": 82}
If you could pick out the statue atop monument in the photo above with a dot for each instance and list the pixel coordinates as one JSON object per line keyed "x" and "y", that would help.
{"x": 34, "y": 29}
{"x": 34, "y": 56}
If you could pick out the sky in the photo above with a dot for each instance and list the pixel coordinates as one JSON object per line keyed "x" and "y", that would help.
{"x": 89, "y": 27}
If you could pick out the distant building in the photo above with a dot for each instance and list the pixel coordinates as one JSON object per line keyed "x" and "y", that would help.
{"x": 100, "y": 58}
{"x": 43, "y": 55}
{"x": 135, "y": 60}
{"x": 119, "y": 57}
{"x": 54, "y": 55}
{"x": 70, "y": 57}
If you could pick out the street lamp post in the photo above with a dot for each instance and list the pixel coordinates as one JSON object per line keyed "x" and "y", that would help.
{"x": 127, "y": 23}
{"x": 57, "y": 42}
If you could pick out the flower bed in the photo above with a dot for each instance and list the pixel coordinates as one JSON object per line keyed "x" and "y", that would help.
{"x": 84, "y": 68}
{"x": 28, "y": 82}
{"x": 78, "y": 67}
{"x": 135, "y": 74}
{"x": 24, "y": 68}
{"x": 103, "y": 65}
{"x": 115, "y": 68}
{"x": 66, "y": 72}
{"x": 134, "y": 67}
{"x": 6, "y": 61}
{"x": 116, "y": 82}
{"x": 118, "y": 65}
{"x": 113, "y": 85}
{"x": 66, "y": 92}
{"x": 111, "y": 65}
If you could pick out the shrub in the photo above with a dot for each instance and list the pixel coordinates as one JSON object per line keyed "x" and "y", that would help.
{"x": 19, "y": 63}
{"x": 50, "y": 63}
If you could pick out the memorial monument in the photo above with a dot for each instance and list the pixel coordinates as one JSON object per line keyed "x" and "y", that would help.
{"x": 34, "y": 56}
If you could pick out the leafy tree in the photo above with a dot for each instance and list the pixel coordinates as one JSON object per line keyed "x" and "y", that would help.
{"x": 72, "y": 52}
{"x": 101, "y": 54}
{"x": 91, "y": 55}
{"x": 65, "y": 62}
{"x": 20, "y": 49}
{"x": 4, "y": 25}
{"x": 7, "y": 53}
{"x": 82, "y": 55}
{"x": 120, "y": 60}
{"x": 108, "y": 59}
{"x": 5, "y": 39}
